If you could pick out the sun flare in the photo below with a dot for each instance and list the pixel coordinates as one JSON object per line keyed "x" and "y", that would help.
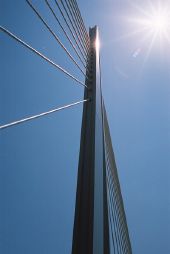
{"x": 97, "y": 43}
{"x": 151, "y": 24}
{"x": 158, "y": 21}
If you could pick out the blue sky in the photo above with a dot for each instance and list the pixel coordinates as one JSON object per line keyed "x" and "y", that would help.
{"x": 38, "y": 160}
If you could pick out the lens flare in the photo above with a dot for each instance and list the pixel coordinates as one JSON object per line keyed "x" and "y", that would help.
{"x": 97, "y": 44}
{"x": 151, "y": 26}
{"x": 158, "y": 21}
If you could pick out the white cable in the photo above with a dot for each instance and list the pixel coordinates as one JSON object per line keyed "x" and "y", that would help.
{"x": 41, "y": 55}
{"x": 41, "y": 114}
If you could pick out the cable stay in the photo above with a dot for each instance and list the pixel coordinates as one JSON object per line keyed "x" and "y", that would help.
{"x": 72, "y": 33}
{"x": 111, "y": 229}
{"x": 78, "y": 22}
{"x": 116, "y": 230}
{"x": 81, "y": 20}
{"x": 41, "y": 55}
{"x": 69, "y": 18}
{"x": 121, "y": 220}
{"x": 41, "y": 114}
{"x": 114, "y": 196}
{"x": 64, "y": 31}
{"x": 122, "y": 234}
{"x": 55, "y": 36}
{"x": 112, "y": 212}
{"x": 70, "y": 9}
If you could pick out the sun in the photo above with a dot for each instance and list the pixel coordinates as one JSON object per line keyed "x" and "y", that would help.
{"x": 151, "y": 24}
{"x": 157, "y": 21}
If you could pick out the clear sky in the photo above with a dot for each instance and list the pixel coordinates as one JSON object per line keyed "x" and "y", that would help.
{"x": 38, "y": 160}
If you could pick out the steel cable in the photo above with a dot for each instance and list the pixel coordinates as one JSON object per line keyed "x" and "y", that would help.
{"x": 121, "y": 242}
{"x": 80, "y": 21}
{"x": 111, "y": 226}
{"x": 84, "y": 64}
{"x": 73, "y": 35}
{"x": 41, "y": 114}
{"x": 84, "y": 34}
{"x": 112, "y": 209}
{"x": 41, "y": 55}
{"x": 122, "y": 216}
{"x": 70, "y": 9}
{"x": 120, "y": 208}
{"x": 68, "y": 16}
{"x": 109, "y": 159}
{"x": 55, "y": 36}
{"x": 73, "y": 46}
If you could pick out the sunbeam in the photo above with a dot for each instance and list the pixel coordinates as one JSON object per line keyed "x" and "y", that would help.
{"x": 150, "y": 24}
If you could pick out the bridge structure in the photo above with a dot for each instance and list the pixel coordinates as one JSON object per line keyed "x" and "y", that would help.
{"x": 100, "y": 225}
